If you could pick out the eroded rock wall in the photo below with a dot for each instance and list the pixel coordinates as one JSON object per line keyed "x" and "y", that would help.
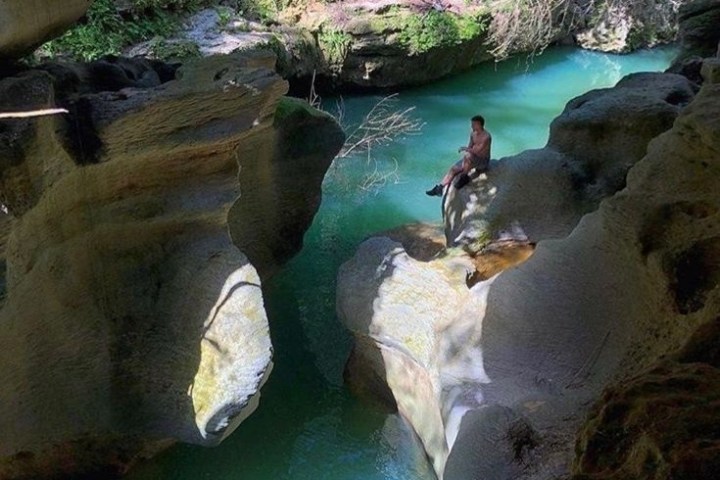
{"x": 496, "y": 379}
{"x": 699, "y": 34}
{"x": 543, "y": 193}
{"x": 132, "y": 318}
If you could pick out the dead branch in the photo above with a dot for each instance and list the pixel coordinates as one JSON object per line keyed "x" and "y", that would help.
{"x": 381, "y": 125}
{"x": 32, "y": 113}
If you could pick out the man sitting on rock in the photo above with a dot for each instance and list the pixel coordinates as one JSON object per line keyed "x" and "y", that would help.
{"x": 477, "y": 155}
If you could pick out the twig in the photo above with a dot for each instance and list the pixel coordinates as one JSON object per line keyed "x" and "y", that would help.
{"x": 32, "y": 113}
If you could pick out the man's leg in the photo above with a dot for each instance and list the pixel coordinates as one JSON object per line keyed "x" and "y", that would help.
{"x": 454, "y": 170}
{"x": 437, "y": 190}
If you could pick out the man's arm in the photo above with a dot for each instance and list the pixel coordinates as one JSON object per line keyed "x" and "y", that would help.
{"x": 482, "y": 148}
{"x": 469, "y": 146}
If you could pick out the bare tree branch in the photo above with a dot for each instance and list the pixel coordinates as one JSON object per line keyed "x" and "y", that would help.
{"x": 381, "y": 125}
{"x": 32, "y": 113}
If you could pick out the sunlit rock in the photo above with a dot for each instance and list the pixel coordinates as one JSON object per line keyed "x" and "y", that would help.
{"x": 598, "y": 137}
{"x": 417, "y": 329}
{"x": 625, "y": 26}
{"x": 540, "y": 342}
{"x": 133, "y": 314}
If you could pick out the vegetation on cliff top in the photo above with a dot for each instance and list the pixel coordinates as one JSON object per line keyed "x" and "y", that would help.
{"x": 509, "y": 26}
{"x": 423, "y": 32}
{"x": 107, "y": 29}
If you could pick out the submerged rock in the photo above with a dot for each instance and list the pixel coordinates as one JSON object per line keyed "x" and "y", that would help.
{"x": 539, "y": 342}
{"x": 134, "y": 314}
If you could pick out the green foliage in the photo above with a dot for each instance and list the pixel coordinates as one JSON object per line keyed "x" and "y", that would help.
{"x": 471, "y": 26}
{"x": 294, "y": 107}
{"x": 225, "y": 14}
{"x": 177, "y": 5}
{"x": 334, "y": 43}
{"x": 101, "y": 33}
{"x": 263, "y": 9}
{"x": 179, "y": 50}
{"x": 106, "y": 31}
{"x": 421, "y": 33}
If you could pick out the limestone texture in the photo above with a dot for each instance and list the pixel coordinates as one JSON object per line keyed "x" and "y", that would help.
{"x": 141, "y": 225}
{"x": 497, "y": 378}
{"x": 662, "y": 423}
{"x": 625, "y": 26}
{"x": 25, "y": 24}
{"x": 371, "y": 45}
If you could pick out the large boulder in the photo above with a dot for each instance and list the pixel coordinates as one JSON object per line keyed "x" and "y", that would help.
{"x": 25, "y": 24}
{"x": 591, "y": 146}
{"x": 141, "y": 224}
{"x": 699, "y": 34}
{"x": 497, "y": 378}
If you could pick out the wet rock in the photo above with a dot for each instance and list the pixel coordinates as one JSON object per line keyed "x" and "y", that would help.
{"x": 142, "y": 224}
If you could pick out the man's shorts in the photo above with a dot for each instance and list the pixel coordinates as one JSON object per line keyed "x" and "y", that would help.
{"x": 479, "y": 164}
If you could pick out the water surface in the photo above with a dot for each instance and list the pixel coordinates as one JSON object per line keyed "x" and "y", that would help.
{"x": 308, "y": 426}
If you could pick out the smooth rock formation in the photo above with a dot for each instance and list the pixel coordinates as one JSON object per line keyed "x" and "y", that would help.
{"x": 592, "y": 144}
{"x": 538, "y": 343}
{"x": 25, "y": 24}
{"x": 134, "y": 316}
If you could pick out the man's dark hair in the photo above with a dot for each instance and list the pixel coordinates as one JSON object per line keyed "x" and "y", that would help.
{"x": 478, "y": 118}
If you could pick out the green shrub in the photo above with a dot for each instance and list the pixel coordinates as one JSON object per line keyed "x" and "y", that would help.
{"x": 177, "y": 5}
{"x": 105, "y": 31}
{"x": 334, "y": 43}
{"x": 421, "y": 33}
{"x": 263, "y": 9}
{"x": 179, "y": 50}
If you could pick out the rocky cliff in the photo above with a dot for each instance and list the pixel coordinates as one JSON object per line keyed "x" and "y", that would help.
{"x": 359, "y": 44}
{"x": 497, "y": 378}
{"x": 140, "y": 226}
{"x": 699, "y": 35}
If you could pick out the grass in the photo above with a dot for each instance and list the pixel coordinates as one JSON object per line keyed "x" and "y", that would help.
{"x": 105, "y": 30}
{"x": 334, "y": 43}
{"x": 423, "y": 32}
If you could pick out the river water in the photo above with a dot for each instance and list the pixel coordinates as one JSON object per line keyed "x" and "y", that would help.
{"x": 308, "y": 426}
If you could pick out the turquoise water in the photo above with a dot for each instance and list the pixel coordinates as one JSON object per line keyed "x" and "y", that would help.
{"x": 308, "y": 427}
